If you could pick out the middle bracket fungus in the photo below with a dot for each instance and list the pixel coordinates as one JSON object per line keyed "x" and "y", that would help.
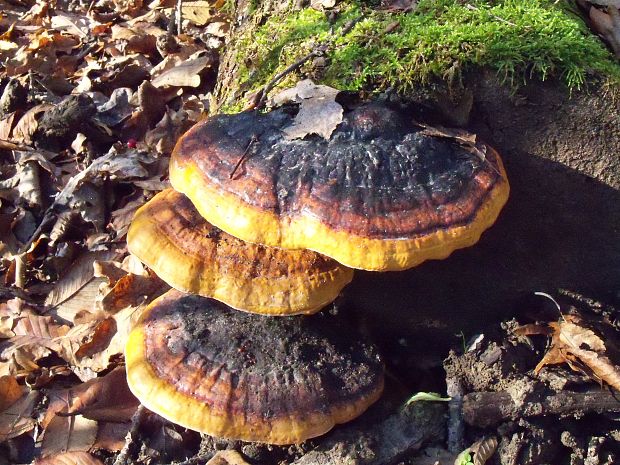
{"x": 380, "y": 194}
{"x": 191, "y": 255}
{"x": 231, "y": 374}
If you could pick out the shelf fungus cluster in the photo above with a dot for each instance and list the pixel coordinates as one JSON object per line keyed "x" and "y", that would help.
{"x": 272, "y": 226}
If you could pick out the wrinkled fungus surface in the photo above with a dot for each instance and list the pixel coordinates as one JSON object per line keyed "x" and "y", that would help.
{"x": 191, "y": 255}
{"x": 232, "y": 374}
{"x": 379, "y": 194}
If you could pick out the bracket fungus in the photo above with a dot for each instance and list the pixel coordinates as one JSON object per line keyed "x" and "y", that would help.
{"x": 231, "y": 374}
{"x": 380, "y": 194}
{"x": 183, "y": 249}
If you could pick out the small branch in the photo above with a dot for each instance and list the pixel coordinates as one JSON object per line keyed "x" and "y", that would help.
{"x": 244, "y": 155}
{"x": 179, "y": 17}
{"x": 123, "y": 456}
{"x": 483, "y": 409}
{"x": 261, "y": 97}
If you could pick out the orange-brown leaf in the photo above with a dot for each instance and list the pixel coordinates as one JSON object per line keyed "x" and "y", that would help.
{"x": 70, "y": 458}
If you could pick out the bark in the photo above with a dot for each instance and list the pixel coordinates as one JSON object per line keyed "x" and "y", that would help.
{"x": 249, "y": 16}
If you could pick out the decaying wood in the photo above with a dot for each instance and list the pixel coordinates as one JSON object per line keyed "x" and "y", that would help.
{"x": 483, "y": 409}
{"x": 401, "y": 433}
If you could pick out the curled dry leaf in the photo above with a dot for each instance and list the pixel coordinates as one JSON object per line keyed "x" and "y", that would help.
{"x": 319, "y": 112}
{"x": 77, "y": 276}
{"x": 70, "y": 458}
{"x": 185, "y": 74}
{"x": 102, "y": 399}
{"x": 586, "y": 346}
{"x": 10, "y": 392}
{"x": 68, "y": 434}
{"x": 35, "y": 336}
{"x": 18, "y": 418}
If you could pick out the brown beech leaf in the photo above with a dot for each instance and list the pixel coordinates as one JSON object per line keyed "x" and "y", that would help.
{"x": 103, "y": 399}
{"x": 35, "y": 336}
{"x": 17, "y": 419}
{"x": 111, "y": 435}
{"x": 70, "y": 458}
{"x": 28, "y": 123}
{"x": 109, "y": 348}
{"x": 184, "y": 74}
{"x": 79, "y": 274}
{"x": 68, "y": 434}
{"x": 198, "y": 12}
{"x": 319, "y": 112}
{"x": 586, "y": 346}
{"x": 10, "y": 392}
{"x": 607, "y": 24}
{"x": 132, "y": 290}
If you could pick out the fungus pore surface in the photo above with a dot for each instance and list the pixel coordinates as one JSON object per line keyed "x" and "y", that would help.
{"x": 231, "y": 374}
{"x": 191, "y": 255}
{"x": 380, "y": 194}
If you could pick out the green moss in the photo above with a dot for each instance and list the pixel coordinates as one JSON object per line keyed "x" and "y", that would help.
{"x": 519, "y": 39}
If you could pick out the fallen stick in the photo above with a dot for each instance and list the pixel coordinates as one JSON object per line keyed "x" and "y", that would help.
{"x": 383, "y": 443}
{"x": 483, "y": 409}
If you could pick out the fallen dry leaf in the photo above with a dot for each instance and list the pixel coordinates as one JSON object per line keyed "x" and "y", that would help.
{"x": 17, "y": 419}
{"x": 585, "y": 346}
{"x": 185, "y": 74}
{"x": 10, "y": 391}
{"x": 607, "y": 24}
{"x": 77, "y": 276}
{"x": 319, "y": 113}
{"x": 70, "y": 458}
{"x": 102, "y": 399}
{"x": 198, "y": 12}
{"x": 68, "y": 434}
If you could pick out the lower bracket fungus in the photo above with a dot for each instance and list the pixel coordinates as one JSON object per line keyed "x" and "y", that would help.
{"x": 183, "y": 249}
{"x": 231, "y": 374}
{"x": 381, "y": 194}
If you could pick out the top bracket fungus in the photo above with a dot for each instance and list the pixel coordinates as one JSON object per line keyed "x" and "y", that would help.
{"x": 380, "y": 194}
{"x": 231, "y": 374}
{"x": 191, "y": 255}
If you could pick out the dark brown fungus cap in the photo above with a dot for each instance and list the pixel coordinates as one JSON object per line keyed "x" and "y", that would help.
{"x": 380, "y": 194}
{"x": 231, "y": 374}
{"x": 191, "y": 255}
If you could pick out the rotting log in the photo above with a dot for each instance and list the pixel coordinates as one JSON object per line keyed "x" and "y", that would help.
{"x": 484, "y": 409}
{"x": 399, "y": 434}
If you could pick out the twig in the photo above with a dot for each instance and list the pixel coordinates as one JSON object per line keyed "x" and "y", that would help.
{"x": 244, "y": 155}
{"x": 179, "y": 17}
{"x": 456, "y": 426}
{"x": 20, "y": 271}
{"x": 136, "y": 420}
{"x": 261, "y": 97}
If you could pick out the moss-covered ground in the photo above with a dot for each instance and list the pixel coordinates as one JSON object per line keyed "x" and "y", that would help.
{"x": 439, "y": 40}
